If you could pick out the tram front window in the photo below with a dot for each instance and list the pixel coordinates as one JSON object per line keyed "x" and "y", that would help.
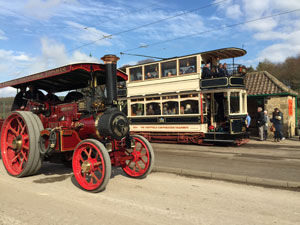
{"x": 187, "y": 65}
{"x": 234, "y": 102}
{"x": 135, "y": 73}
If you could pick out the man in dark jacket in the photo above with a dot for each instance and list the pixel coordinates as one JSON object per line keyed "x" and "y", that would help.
{"x": 19, "y": 101}
{"x": 260, "y": 121}
{"x": 206, "y": 72}
{"x": 277, "y": 121}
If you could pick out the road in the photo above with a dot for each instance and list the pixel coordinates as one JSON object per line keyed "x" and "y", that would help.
{"x": 52, "y": 198}
{"x": 265, "y": 160}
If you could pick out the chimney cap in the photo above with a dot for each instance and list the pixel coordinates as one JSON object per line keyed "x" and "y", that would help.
{"x": 110, "y": 59}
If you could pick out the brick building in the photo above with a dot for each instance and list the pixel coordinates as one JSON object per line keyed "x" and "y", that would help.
{"x": 266, "y": 91}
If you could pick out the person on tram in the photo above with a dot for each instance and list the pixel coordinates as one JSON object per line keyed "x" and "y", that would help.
{"x": 51, "y": 97}
{"x": 150, "y": 110}
{"x": 19, "y": 101}
{"x": 34, "y": 94}
{"x": 220, "y": 71}
{"x": 225, "y": 70}
{"x": 206, "y": 72}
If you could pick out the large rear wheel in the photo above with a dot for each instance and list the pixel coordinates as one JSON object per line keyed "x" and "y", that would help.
{"x": 141, "y": 158}
{"x": 91, "y": 165}
{"x": 19, "y": 144}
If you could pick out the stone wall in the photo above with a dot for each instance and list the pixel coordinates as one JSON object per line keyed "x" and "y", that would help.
{"x": 282, "y": 102}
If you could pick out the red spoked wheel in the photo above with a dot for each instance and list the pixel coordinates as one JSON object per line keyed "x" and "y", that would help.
{"x": 141, "y": 158}
{"x": 91, "y": 165}
{"x": 19, "y": 144}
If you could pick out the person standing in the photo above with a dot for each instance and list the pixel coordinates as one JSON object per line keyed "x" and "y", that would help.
{"x": 266, "y": 125}
{"x": 206, "y": 72}
{"x": 260, "y": 123}
{"x": 277, "y": 121}
{"x": 248, "y": 121}
{"x": 19, "y": 101}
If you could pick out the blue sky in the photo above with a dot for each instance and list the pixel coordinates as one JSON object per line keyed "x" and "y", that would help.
{"x": 37, "y": 35}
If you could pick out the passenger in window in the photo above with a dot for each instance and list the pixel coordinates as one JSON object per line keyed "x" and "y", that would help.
{"x": 188, "y": 109}
{"x": 181, "y": 110}
{"x": 206, "y": 72}
{"x": 139, "y": 112}
{"x": 148, "y": 76}
{"x": 190, "y": 70}
{"x": 169, "y": 74}
{"x": 19, "y": 101}
{"x": 34, "y": 94}
{"x": 150, "y": 110}
{"x": 165, "y": 110}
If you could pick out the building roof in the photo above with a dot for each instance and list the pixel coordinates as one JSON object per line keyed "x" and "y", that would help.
{"x": 263, "y": 83}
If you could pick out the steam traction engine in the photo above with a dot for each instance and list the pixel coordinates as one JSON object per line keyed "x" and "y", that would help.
{"x": 86, "y": 130}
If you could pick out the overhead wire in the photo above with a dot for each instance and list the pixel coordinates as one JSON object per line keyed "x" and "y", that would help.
{"x": 212, "y": 30}
{"x": 145, "y": 25}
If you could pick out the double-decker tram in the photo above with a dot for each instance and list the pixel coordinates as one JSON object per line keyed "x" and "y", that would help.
{"x": 168, "y": 101}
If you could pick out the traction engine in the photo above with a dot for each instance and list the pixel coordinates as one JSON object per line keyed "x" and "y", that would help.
{"x": 89, "y": 133}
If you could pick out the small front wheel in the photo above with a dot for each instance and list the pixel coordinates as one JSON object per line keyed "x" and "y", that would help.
{"x": 91, "y": 165}
{"x": 140, "y": 158}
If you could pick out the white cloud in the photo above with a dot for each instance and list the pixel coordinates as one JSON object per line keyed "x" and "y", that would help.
{"x": 44, "y": 9}
{"x": 234, "y": 12}
{"x": 90, "y": 34}
{"x": 279, "y": 52}
{"x": 8, "y": 92}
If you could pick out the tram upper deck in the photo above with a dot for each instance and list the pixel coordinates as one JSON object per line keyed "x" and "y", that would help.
{"x": 180, "y": 74}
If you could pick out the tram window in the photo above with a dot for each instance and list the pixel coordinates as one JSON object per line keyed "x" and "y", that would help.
{"x": 234, "y": 102}
{"x": 153, "y": 108}
{"x": 137, "y": 109}
{"x": 170, "y": 108}
{"x": 189, "y": 107}
{"x": 168, "y": 69}
{"x": 153, "y": 98}
{"x": 170, "y": 97}
{"x": 137, "y": 100}
{"x": 189, "y": 96}
{"x": 151, "y": 71}
{"x": 187, "y": 66}
{"x": 135, "y": 73}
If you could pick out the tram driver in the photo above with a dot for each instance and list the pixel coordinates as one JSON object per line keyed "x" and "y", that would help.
{"x": 19, "y": 101}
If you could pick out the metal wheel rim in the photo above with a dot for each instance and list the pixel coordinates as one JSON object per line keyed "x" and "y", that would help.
{"x": 90, "y": 153}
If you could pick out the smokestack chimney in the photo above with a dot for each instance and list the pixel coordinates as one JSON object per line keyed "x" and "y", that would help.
{"x": 110, "y": 62}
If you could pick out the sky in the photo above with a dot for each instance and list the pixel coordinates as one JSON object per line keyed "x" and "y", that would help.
{"x": 37, "y": 35}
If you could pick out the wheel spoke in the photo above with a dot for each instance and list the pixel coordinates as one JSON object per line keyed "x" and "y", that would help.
{"x": 13, "y": 130}
{"x": 21, "y": 164}
{"x": 129, "y": 163}
{"x": 20, "y": 126}
{"x": 81, "y": 159}
{"x": 143, "y": 161}
{"x": 95, "y": 177}
{"x": 138, "y": 165}
{"x": 25, "y": 156}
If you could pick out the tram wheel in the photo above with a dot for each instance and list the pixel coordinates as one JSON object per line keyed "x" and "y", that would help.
{"x": 19, "y": 144}
{"x": 91, "y": 165}
{"x": 141, "y": 161}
